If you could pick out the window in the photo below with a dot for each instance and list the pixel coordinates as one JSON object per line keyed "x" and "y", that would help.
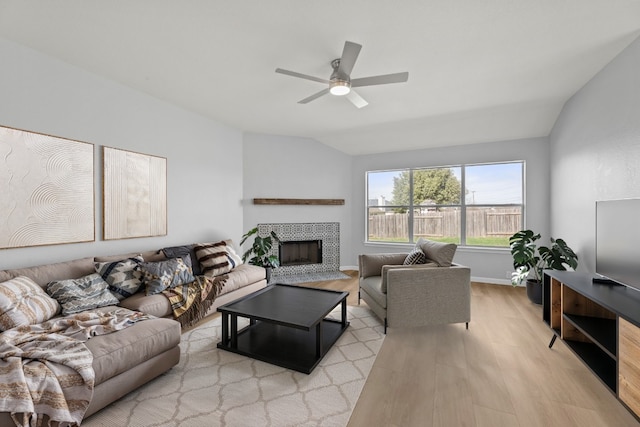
{"x": 473, "y": 205}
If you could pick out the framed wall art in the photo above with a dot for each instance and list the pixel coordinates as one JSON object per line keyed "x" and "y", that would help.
{"x": 47, "y": 189}
{"x": 134, "y": 194}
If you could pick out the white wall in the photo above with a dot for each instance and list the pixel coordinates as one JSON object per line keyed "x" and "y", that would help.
{"x": 595, "y": 152}
{"x": 486, "y": 264}
{"x": 204, "y": 158}
{"x": 297, "y": 168}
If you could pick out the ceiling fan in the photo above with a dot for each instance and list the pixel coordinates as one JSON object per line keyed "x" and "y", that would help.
{"x": 340, "y": 82}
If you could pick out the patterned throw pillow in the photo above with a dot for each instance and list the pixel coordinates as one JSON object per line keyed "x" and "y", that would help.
{"x": 123, "y": 277}
{"x": 23, "y": 302}
{"x": 182, "y": 252}
{"x": 161, "y": 275}
{"x": 85, "y": 293}
{"x": 416, "y": 256}
{"x": 213, "y": 258}
{"x": 233, "y": 256}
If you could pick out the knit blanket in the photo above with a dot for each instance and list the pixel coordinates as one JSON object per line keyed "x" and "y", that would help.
{"x": 190, "y": 302}
{"x": 46, "y": 369}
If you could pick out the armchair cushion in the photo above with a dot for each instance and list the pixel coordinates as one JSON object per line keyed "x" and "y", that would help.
{"x": 438, "y": 252}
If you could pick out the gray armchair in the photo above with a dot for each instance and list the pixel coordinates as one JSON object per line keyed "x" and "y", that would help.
{"x": 414, "y": 295}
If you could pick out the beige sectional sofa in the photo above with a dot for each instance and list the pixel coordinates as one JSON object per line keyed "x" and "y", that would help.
{"x": 126, "y": 359}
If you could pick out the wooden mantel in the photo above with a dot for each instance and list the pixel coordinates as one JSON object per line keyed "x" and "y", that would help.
{"x": 298, "y": 202}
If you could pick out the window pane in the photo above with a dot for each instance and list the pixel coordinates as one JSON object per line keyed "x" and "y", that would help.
{"x": 436, "y": 186}
{"x": 388, "y": 225}
{"x": 493, "y": 184}
{"x": 439, "y": 224}
{"x": 492, "y": 226}
{"x": 388, "y": 188}
{"x": 430, "y": 200}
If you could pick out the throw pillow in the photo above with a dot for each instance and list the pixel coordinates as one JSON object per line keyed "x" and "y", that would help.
{"x": 85, "y": 293}
{"x": 416, "y": 256}
{"x": 213, "y": 258}
{"x": 233, "y": 256}
{"x": 438, "y": 252}
{"x": 161, "y": 275}
{"x": 23, "y": 302}
{"x": 123, "y": 276}
{"x": 181, "y": 252}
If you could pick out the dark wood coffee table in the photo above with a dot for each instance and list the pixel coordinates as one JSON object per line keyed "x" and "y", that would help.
{"x": 287, "y": 325}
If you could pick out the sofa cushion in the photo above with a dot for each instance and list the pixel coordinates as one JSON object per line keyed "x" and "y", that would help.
{"x": 84, "y": 293}
{"x": 213, "y": 258}
{"x": 148, "y": 256}
{"x": 372, "y": 285}
{"x": 115, "y": 258}
{"x": 23, "y": 302}
{"x": 416, "y": 256}
{"x": 43, "y": 274}
{"x": 243, "y": 275}
{"x": 161, "y": 275}
{"x": 123, "y": 276}
{"x": 157, "y": 305}
{"x": 119, "y": 351}
{"x": 438, "y": 252}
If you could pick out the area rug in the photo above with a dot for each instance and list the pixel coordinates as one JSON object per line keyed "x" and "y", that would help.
{"x": 212, "y": 387}
{"x": 309, "y": 277}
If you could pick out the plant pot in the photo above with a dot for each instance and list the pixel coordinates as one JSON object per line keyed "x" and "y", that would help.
{"x": 268, "y": 275}
{"x": 534, "y": 291}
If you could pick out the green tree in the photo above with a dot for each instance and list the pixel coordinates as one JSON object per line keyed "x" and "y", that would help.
{"x": 438, "y": 185}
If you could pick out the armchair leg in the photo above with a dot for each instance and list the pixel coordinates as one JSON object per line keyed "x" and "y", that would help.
{"x": 467, "y": 325}
{"x": 358, "y": 296}
{"x": 385, "y": 326}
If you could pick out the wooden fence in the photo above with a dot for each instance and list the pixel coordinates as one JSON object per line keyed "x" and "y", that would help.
{"x": 481, "y": 222}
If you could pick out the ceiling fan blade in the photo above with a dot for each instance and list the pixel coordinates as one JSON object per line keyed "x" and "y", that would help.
{"x": 348, "y": 59}
{"x": 380, "y": 80}
{"x": 356, "y": 99}
{"x": 302, "y": 76}
{"x": 314, "y": 96}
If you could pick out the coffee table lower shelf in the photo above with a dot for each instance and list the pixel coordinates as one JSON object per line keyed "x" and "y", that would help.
{"x": 285, "y": 346}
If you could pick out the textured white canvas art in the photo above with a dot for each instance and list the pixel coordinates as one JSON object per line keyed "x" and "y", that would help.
{"x": 46, "y": 190}
{"x": 135, "y": 194}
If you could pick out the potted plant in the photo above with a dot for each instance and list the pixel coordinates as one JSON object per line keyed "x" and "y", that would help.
{"x": 529, "y": 260}
{"x": 258, "y": 253}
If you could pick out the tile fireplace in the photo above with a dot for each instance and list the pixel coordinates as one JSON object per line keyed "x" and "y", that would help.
{"x": 304, "y": 248}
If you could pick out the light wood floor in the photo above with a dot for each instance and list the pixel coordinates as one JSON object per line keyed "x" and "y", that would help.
{"x": 500, "y": 372}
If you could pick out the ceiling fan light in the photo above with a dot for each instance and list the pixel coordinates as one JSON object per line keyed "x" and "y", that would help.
{"x": 339, "y": 87}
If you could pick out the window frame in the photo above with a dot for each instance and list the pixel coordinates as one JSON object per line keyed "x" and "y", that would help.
{"x": 463, "y": 205}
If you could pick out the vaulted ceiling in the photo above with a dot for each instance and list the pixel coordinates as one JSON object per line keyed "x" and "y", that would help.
{"x": 479, "y": 70}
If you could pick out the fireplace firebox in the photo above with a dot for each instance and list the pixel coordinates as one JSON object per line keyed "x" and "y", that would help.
{"x": 300, "y": 252}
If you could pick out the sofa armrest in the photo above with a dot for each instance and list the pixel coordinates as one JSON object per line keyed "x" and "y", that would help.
{"x": 426, "y": 296}
{"x": 371, "y": 264}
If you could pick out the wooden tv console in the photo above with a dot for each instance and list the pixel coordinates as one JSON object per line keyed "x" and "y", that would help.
{"x": 600, "y": 323}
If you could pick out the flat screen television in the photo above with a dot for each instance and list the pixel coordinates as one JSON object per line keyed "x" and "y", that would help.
{"x": 618, "y": 241}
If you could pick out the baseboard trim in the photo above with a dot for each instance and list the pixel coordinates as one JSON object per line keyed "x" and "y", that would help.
{"x": 491, "y": 280}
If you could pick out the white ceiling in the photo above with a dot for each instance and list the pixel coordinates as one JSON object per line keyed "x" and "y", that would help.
{"x": 479, "y": 70}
